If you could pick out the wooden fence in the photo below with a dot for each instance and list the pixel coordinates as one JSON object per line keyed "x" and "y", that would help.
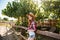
{"x": 46, "y": 33}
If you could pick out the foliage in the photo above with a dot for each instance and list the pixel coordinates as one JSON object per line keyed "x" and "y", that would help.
{"x": 52, "y": 7}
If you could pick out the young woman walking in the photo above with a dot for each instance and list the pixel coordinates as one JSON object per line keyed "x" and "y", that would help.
{"x": 31, "y": 26}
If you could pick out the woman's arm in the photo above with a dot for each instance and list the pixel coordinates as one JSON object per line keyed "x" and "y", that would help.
{"x": 34, "y": 26}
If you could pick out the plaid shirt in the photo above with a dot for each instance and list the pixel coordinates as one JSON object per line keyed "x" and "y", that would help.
{"x": 32, "y": 26}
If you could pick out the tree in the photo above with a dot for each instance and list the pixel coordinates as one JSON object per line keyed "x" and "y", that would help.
{"x": 11, "y": 10}
{"x": 52, "y": 7}
{"x": 19, "y": 9}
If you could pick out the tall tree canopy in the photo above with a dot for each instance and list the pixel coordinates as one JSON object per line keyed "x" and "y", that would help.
{"x": 52, "y": 6}
{"x": 19, "y": 9}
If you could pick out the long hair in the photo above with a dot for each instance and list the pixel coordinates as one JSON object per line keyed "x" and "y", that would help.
{"x": 33, "y": 18}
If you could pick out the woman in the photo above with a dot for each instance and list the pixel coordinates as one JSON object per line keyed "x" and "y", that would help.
{"x": 31, "y": 26}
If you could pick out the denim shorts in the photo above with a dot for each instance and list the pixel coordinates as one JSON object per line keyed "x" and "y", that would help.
{"x": 32, "y": 34}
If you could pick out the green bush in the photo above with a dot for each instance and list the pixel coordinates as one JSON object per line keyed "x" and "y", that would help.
{"x": 25, "y": 23}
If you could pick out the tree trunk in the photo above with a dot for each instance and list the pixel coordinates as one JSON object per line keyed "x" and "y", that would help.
{"x": 18, "y": 22}
{"x": 22, "y": 20}
{"x": 18, "y": 19}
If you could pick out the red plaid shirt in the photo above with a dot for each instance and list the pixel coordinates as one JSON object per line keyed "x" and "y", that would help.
{"x": 32, "y": 26}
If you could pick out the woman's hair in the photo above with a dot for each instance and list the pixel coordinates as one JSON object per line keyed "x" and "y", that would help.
{"x": 33, "y": 17}
{"x": 31, "y": 14}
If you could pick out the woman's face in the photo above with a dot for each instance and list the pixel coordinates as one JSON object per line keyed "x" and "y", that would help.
{"x": 29, "y": 17}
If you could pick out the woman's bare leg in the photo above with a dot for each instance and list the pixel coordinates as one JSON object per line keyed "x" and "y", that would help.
{"x": 30, "y": 38}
